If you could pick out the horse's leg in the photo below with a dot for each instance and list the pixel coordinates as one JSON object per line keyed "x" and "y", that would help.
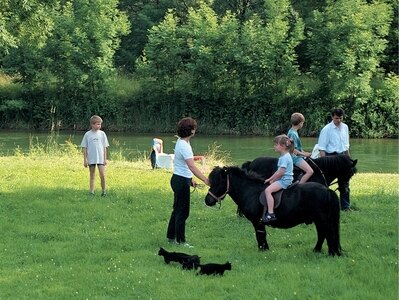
{"x": 333, "y": 235}
{"x": 334, "y": 247}
{"x": 321, "y": 229}
{"x": 260, "y": 232}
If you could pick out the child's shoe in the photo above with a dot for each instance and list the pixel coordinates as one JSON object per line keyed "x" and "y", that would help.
{"x": 267, "y": 218}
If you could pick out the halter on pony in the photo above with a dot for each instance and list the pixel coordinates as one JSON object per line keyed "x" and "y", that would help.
{"x": 220, "y": 198}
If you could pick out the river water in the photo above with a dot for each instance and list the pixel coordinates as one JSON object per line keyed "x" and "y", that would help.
{"x": 374, "y": 155}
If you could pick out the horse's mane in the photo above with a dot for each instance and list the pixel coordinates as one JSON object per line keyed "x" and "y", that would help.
{"x": 237, "y": 171}
{"x": 254, "y": 176}
{"x": 246, "y": 173}
{"x": 335, "y": 162}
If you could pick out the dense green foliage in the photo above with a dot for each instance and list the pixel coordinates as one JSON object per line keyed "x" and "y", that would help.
{"x": 59, "y": 243}
{"x": 239, "y": 67}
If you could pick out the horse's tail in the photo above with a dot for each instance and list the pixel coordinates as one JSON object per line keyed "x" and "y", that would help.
{"x": 333, "y": 223}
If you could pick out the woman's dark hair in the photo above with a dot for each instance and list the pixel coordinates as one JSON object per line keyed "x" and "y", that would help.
{"x": 186, "y": 126}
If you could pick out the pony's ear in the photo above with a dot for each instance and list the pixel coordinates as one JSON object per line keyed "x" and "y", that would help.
{"x": 354, "y": 162}
{"x": 225, "y": 169}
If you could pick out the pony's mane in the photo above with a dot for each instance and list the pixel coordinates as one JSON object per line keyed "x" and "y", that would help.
{"x": 252, "y": 175}
{"x": 237, "y": 171}
{"x": 335, "y": 162}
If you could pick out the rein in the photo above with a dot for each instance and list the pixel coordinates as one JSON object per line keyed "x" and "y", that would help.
{"x": 320, "y": 170}
{"x": 220, "y": 198}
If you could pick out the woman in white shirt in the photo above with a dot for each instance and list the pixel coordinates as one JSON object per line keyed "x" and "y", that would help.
{"x": 184, "y": 168}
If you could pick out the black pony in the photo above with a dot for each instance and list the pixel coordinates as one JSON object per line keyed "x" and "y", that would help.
{"x": 307, "y": 203}
{"x": 326, "y": 169}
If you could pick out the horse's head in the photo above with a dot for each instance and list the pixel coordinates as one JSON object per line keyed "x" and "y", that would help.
{"x": 352, "y": 169}
{"x": 218, "y": 186}
{"x": 331, "y": 167}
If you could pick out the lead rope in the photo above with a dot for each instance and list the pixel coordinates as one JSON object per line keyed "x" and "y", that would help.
{"x": 198, "y": 186}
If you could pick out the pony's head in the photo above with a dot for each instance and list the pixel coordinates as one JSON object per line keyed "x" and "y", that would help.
{"x": 340, "y": 167}
{"x": 353, "y": 170}
{"x": 218, "y": 186}
{"x": 346, "y": 165}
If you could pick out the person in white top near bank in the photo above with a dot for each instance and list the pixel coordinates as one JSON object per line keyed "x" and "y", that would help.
{"x": 156, "y": 149}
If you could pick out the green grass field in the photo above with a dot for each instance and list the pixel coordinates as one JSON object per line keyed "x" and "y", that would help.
{"x": 59, "y": 243}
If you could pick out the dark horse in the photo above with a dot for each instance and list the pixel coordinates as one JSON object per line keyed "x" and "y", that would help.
{"x": 326, "y": 169}
{"x": 307, "y": 203}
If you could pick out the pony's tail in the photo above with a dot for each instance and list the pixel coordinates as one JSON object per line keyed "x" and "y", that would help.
{"x": 333, "y": 221}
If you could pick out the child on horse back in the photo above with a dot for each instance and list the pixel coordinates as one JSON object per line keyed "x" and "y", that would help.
{"x": 282, "y": 178}
{"x": 297, "y": 120}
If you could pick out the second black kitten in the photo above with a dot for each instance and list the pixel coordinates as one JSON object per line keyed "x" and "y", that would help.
{"x": 214, "y": 269}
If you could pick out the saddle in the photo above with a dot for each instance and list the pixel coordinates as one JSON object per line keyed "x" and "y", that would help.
{"x": 276, "y": 196}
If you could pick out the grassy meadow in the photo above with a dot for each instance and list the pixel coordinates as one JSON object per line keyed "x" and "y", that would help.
{"x": 57, "y": 242}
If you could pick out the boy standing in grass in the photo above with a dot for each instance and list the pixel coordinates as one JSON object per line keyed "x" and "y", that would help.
{"x": 94, "y": 146}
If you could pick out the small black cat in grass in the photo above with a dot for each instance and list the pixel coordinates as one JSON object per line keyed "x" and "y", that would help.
{"x": 214, "y": 269}
{"x": 191, "y": 263}
{"x": 188, "y": 261}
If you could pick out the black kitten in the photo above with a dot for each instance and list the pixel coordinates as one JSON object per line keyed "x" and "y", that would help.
{"x": 214, "y": 269}
{"x": 191, "y": 263}
{"x": 188, "y": 261}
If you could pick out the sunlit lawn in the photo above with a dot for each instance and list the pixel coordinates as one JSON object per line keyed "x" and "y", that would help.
{"x": 59, "y": 243}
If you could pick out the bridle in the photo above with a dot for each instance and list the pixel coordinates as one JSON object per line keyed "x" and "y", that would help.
{"x": 220, "y": 198}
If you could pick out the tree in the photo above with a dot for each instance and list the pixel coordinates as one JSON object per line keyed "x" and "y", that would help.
{"x": 211, "y": 62}
{"x": 390, "y": 60}
{"x": 7, "y": 40}
{"x": 160, "y": 66}
{"x": 64, "y": 56}
{"x": 346, "y": 43}
{"x": 269, "y": 63}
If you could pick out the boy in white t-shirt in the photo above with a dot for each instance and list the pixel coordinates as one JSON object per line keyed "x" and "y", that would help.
{"x": 94, "y": 146}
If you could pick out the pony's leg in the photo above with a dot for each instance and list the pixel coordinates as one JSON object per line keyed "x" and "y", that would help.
{"x": 334, "y": 247}
{"x": 333, "y": 216}
{"x": 321, "y": 229}
{"x": 260, "y": 232}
